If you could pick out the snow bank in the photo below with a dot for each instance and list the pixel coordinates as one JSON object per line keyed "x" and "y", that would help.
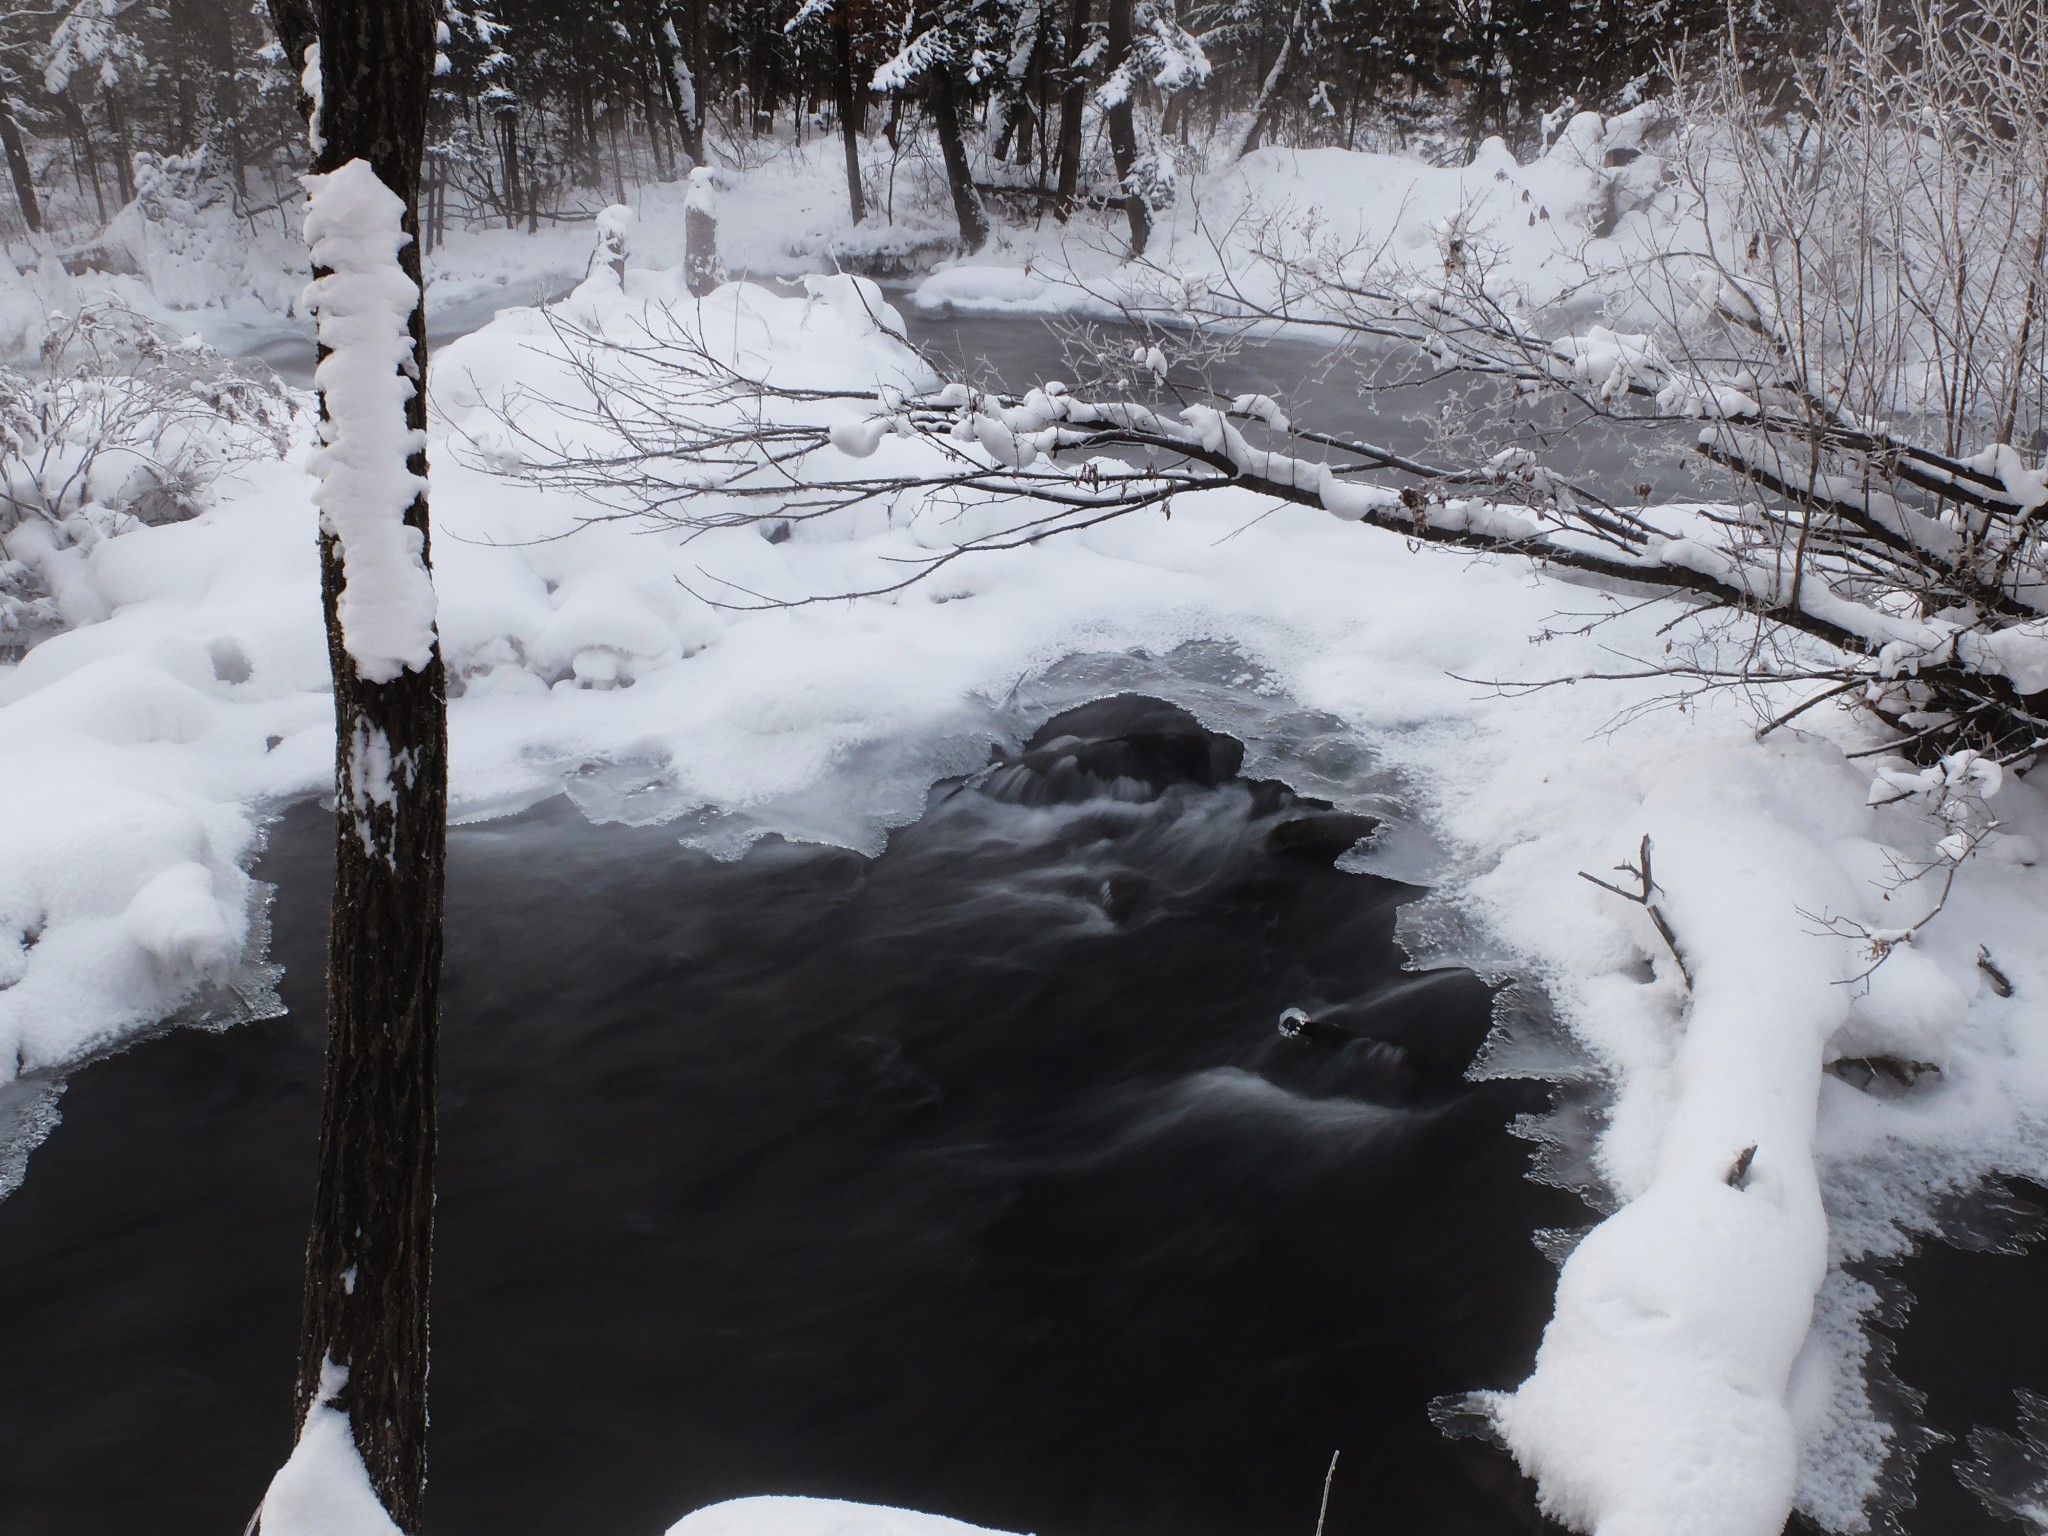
{"x": 1683, "y": 1386}
{"x": 1536, "y": 228}
{"x": 815, "y": 1517}
{"x": 323, "y": 1489}
{"x": 990, "y": 291}
{"x": 364, "y": 303}
{"x": 180, "y": 255}
{"x": 135, "y": 754}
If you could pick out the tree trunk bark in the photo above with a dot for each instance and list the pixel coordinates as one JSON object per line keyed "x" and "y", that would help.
{"x": 226, "y": 124}
{"x": 967, "y": 207}
{"x": 368, "y": 1258}
{"x": 124, "y": 152}
{"x": 81, "y": 136}
{"x": 848, "y": 104}
{"x": 679, "y": 84}
{"x": 1073, "y": 104}
{"x": 508, "y": 152}
{"x": 1269, "y": 91}
{"x": 1123, "y": 132}
{"x": 297, "y": 29}
{"x": 18, "y": 167}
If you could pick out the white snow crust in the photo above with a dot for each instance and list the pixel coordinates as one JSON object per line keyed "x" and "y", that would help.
{"x": 364, "y": 302}
{"x": 773, "y": 1516}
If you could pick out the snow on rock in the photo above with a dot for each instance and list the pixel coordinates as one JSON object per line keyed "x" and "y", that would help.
{"x": 773, "y": 1516}
{"x": 364, "y": 302}
{"x": 989, "y": 291}
{"x": 323, "y": 1489}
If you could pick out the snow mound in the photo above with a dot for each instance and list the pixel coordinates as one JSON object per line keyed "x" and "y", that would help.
{"x": 989, "y": 291}
{"x": 323, "y": 1489}
{"x": 769, "y": 1515}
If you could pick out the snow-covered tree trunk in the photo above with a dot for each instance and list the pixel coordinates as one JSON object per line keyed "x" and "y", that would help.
{"x": 679, "y": 84}
{"x": 1269, "y": 91}
{"x": 363, "y": 1344}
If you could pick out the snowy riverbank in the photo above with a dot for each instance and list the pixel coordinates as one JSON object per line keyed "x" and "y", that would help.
{"x": 1681, "y": 1389}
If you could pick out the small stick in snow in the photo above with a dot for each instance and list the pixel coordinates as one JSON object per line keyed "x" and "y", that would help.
{"x": 2000, "y": 982}
{"x": 1642, "y": 898}
{"x": 1738, "y": 1176}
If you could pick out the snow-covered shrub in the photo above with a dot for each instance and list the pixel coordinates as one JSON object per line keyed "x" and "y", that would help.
{"x": 190, "y": 240}
{"x": 117, "y": 427}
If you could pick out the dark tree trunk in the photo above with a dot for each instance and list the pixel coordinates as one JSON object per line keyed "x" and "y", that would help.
{"x": 585, "y": 127}
{"x": 124, "y": 152}
{"x": 1123, "y": 133}
{"x": 18, "y": 167}
{"x": 1073, "y": 102}
{"x": 611, "y": 133}
{"x": 81, "y": 137}
{"x": 368, "y": 1259}
{"x": 647, "y": 85}
{"x": 227, "y": 103}
{"x": 508, "y": 151}
{"x": 1174, "y": 120}
{"x": 847, "y": 101}
{"x": 671, "y": 52}
{"x": 297, "y": 29}
{"x": 1269, "y": 91}
{"x": 945, "y": 109}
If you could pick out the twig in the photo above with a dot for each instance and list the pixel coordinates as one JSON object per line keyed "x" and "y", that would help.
{"x": 2000, "y": 982}
{"x": 1643, "y": 899}
{"x": 1328, "y": 1477}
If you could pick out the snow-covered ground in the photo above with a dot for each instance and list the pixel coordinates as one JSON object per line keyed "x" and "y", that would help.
{"x": 1705, "y": 1368}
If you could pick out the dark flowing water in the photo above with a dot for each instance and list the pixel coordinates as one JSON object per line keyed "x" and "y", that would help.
{"x": 1373, "y": 391}
{"x": 1355, "y": 387}
{"x": 975, "y": 1177}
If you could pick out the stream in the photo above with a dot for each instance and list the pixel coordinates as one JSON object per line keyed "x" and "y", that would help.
{"x": 975, "y": 1177}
